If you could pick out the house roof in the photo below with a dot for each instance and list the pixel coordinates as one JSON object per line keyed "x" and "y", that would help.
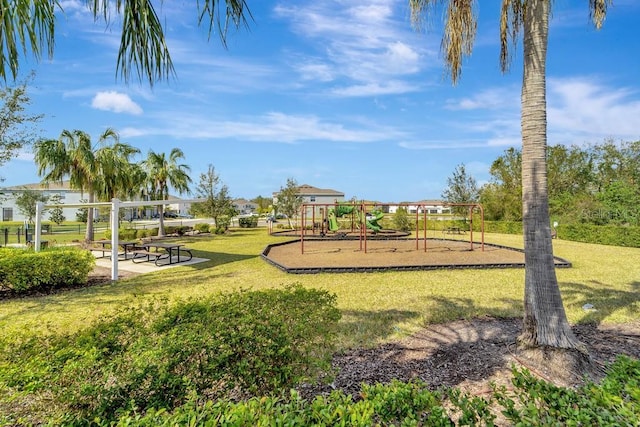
{"x": 52, "y": 186}
{"x": 310, "y": 190}
{"x": 243, "y": 202}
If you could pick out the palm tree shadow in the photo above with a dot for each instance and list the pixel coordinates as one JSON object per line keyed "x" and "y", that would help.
{"x": 445, "y": 354}
{"x": 599, "y": 301}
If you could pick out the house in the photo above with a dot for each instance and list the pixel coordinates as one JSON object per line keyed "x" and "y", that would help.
{"x": 431, "y": 207}
{"x": 245, "y": 207}
{"x": 8, "y": 195}
{"x": 68, "y": 195}
{"x": 315, "y": 196}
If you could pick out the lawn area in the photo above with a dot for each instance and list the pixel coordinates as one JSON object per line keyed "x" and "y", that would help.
{"x": 375, "y": 306}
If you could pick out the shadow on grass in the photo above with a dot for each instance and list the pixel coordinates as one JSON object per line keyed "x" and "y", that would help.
{"x": 360, "y": 328}
{"x": 604, "y": 300}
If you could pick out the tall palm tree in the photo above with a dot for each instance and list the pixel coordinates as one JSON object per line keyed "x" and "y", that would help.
{"x": 162, "y": 173}
{"x": 545, "y": 322}
{"x": 118, "y": 177}
{"x": 91, "y": 169}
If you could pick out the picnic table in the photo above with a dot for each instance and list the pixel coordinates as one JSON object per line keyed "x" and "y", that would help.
{"x": 104, "y": 246}
{"x": 453, "y": 230}
{"x": 150, "y": 251}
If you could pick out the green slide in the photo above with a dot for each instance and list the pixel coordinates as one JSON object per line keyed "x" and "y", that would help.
{"x": 372, "y": 221}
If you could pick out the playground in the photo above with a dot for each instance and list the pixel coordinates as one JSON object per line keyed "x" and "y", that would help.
{"x": 321, "y": 244}
{"x": 340, "y": 256}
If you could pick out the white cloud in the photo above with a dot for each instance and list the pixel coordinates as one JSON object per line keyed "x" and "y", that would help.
{"x": 488, "y": 99}
{"x": 364, "y": 45}
{"x": 375, "y": 88}
{"x": 583, "y": 110}
{"x": 270, "y": 127}
{"x": 115, "y": 102}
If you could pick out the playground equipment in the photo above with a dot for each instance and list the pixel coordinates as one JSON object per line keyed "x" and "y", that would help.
{"x": 369, "y": 219}
{"x": 329, "y": 215}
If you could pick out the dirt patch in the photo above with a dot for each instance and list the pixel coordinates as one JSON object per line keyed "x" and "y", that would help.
{"x": 334, "y": 255}
{"x": 466, "y": 354}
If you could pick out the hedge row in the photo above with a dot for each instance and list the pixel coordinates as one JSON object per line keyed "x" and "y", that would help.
{"x": 603, "y": 234}
{"x": 24, "y": 269}
{"x": 140, "y": 233}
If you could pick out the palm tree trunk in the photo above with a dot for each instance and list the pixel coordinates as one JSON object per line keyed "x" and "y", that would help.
{"x": 545, "y": 321}
{"x": 89, "y": 232}
{"x": 161, "y": 223}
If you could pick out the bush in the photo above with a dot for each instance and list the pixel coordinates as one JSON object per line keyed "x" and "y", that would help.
{"x": 202, "y": 227}
{"x": 22, "y": 269}
{"x": 157, "y": 355}
{"x": 248, "y": 222}
{"x": 615, "y": 402}
{"x": 602, "y": 234}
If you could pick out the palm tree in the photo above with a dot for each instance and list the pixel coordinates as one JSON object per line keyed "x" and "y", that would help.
{"x": 119, "y": 176}
{"x": 143, "y": 49}
{"x": 163, "y": 172}
{"x": 545, "y": 322}
{"x": 98, "y": 171}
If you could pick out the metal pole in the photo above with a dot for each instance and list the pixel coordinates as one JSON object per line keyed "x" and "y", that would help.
{"x": 115, "y": 208}
{"x": 425, "y": 230}
{"x": 39, "y": 209}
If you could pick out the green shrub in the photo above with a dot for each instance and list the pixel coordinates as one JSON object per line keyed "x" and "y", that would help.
{"x": 202, "y": 227}
{"x": 23, "y": 269}
{"x": 240, "y": 344}
{"x": 617, "y": 235}
{"x": 615, "y": 402}
{"x": 248, "y": 222}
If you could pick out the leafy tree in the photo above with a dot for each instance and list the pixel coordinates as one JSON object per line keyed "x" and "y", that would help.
{"x": 461, "y": 188}
{"x": 56, "y": 215}
{"x": 16, "y": 129}
{"x": 143, "y": 50}
{"x": 289, "y": 200}
{"x": 570, "y": 177}
{"x": 545, "y": 322}
{"x": 264, "y": 204}
{"x": 502, "y": 196}
{"x": 26, "y": 203}
{"x": 401, "y": 220}
{"x": 217, "y": 202}
{"x": 89, "y": 168}
{"x": 162, "y": 173}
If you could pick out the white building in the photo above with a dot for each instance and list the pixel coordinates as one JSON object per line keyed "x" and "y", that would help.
{"x": 10, "y": 211}
{"x": 432, "y": 207}
{"x": 8, "y": 195}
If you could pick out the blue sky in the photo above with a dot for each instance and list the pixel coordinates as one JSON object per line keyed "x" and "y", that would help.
{"x": 339, "y": 94}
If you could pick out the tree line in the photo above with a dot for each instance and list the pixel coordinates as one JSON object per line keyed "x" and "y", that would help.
{"x": 597, "y": 184}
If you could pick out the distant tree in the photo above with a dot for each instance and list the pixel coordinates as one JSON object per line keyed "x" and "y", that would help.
{"x": 16, "y": 127}
{"x": 461, "y": 188}
{"x": 26, "y": 203}
{"x": 401, "y": 220}
{"x": 264, "y": 203}
{"x": 289, "y": 200}
{"x": 502, "y": 196}
{"x": 162, "y": 173}
{"x": 56, "y": 215}
{"x": 218, "y": 203}
{"x": 82, "y": 213}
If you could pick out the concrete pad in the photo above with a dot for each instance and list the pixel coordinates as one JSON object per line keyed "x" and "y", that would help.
{"x": 145, "y": 267}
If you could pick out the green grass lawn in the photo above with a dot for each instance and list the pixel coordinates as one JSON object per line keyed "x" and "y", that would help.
{"x": 375, "y": 306}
